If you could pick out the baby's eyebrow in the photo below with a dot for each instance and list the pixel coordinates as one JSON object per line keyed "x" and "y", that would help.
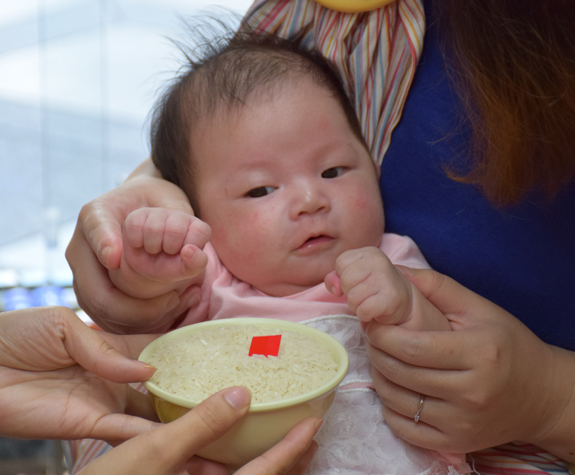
{"x": 259, "y": 160}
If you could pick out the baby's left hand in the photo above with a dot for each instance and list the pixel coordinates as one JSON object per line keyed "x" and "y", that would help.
{"x": 375, "y": 289}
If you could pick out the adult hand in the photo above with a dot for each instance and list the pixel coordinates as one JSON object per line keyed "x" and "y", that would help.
{"x": 59, "y": 379}
{"x": 489, "y": 382}
{"x": 96, "y": 246}
{"x": 166, "y": 450}
{"x": 45, "y": 393}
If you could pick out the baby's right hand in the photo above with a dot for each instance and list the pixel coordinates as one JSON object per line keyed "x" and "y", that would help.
{"x": 161, "y": 252}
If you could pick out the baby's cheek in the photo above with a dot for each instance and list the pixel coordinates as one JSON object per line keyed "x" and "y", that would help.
{"x": 368, "y": 196}
{"x": 365, "y": 203}
{"x": 368, "y": 209}
{"x": 250, "y": 236}
{"x": 252, "y": 219}
{"x": 362, "y": 203}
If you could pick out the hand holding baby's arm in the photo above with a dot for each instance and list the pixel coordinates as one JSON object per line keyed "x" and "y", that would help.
{"x": 378, "y": 290}
{"x": 158, "y": 254}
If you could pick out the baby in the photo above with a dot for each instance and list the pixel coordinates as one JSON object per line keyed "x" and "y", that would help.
{"x": 264, "y": 141}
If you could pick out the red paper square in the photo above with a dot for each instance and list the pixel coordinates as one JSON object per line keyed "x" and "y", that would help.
{"x": 265, "y": 345}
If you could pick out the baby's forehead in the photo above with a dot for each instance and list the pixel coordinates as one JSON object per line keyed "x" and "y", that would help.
{"x": 255, "y": 134}
{"x": 228, "y": 115}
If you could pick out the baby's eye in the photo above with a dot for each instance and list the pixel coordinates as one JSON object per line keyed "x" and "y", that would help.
{"x": 332, "y": 172}
{"x": 260, "y": 191}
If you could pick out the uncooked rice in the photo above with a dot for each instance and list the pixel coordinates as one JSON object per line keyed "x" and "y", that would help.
{"x": 199, "y": 365}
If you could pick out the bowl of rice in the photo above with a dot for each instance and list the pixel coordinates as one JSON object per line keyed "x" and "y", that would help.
{"x": 199, "y": 360}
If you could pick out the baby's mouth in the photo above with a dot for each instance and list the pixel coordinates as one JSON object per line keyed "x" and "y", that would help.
{"x": 314, "y": 240}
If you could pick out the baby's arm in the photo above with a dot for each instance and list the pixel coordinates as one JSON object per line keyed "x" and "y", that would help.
{"x": 158, "y": 256}
{"x": 377, "y": 290}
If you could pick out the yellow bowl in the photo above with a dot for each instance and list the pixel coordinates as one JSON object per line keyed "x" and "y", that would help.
{"x": 266, "y": 423}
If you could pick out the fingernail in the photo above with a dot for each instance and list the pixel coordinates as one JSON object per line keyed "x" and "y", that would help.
{"x": 106, "y": 255}
{"x": 238, "y": 397}
{"x": 188, "y": 252}
{"x": 146, "y": 365}
{"x": 407, "y": 271}
{"x": 318, "y": 426}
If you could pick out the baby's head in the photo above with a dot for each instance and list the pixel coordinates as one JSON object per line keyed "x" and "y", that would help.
{"x": 228, "y": 73}
{"x": 261, "y": 136}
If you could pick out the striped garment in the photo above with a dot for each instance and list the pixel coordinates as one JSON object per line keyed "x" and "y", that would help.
{"x": 517, "y": 459}
{"x": 509, "y": 459}
{"x": 376, "y": 54}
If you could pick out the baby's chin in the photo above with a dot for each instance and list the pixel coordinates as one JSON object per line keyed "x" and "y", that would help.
{"x": 285, "y": 289}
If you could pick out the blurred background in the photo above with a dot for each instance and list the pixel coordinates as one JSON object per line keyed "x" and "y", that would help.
{"x": 77, "y": 80}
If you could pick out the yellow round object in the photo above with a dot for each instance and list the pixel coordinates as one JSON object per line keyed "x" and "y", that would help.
{"x": 266, "y": 423}
{"x": 354, "y": 6}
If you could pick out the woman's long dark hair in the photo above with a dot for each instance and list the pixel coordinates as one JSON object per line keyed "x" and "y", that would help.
{"x": 513, "y": 62}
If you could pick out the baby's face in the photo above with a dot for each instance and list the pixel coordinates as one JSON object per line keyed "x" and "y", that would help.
{"x": 286, "y": 187}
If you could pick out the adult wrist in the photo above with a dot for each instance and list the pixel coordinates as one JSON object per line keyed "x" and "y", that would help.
{"x": 558, "y": 431}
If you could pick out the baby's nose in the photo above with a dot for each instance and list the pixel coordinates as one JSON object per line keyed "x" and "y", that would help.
{"x": 310, "y": 199}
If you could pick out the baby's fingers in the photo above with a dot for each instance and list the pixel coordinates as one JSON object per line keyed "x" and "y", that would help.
{"x": 356, "y": 265}
{"x": 198, "y": 233}
{"x": 333, "y": 284}
{"x": 155, "y": 230}
{"x": 135, "y": 226}
{"x": 182, "y": 229}
{"x": 163, "y": 230}
{"x": 194, "y": 261}
{"x": 164, "y": 267}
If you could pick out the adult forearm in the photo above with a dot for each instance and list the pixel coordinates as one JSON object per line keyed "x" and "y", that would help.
{"x": 558, "y": 437}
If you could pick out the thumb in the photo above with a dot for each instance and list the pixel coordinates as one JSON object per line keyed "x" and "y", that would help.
{"x": 333, "y": 283}
{"x": 165, "y": 450}
{"x": 90, "y": 350}
{"x": 101, "y": 229}
{"x": 206, "y": 423}
{"x": 448, "y": 296}
{"x": 291, "y": 455}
